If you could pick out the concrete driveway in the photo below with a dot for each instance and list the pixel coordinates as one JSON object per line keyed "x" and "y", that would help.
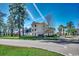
{"x": 68, "y": 49}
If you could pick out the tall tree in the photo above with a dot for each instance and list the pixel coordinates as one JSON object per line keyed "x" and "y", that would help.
{"x": 1, "y": 24}
{"x": 20, "y": 13}
{"x": 4, "y": 29}
{"x": 1, "y": 21}
{"x": 11, "y": 24}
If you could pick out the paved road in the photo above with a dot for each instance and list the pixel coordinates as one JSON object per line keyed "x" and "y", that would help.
{"x": 66, "y": 49}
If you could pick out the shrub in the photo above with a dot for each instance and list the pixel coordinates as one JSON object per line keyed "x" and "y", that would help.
{"x": 28, "y": 37}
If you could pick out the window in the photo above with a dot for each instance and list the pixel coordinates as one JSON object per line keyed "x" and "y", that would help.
{"x": 35, "y": 29}
{"x": 35, "y": 25}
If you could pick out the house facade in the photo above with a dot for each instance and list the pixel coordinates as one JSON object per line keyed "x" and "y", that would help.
{"x": 40, "y": 29}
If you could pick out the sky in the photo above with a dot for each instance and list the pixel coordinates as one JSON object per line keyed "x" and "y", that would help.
{"x": 61, "y": 13}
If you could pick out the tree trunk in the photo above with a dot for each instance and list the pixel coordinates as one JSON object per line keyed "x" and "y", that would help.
{"x": 12, "y": 32}
{"x": 23, "y": 31}
{"x": 19, "y": 27}
{"x": 0, "y": 33}
{"x": 19, "y": 30}
{"x": 19, "y": 33}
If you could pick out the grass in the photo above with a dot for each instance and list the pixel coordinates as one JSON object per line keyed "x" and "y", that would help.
{"x": 17, "y": 37}
{"x": 25, "y": 51}
{"x": 9, "y": 37}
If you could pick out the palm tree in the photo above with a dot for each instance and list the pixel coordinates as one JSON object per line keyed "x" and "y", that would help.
{"x": 70, "y": 27}
{"x": 61, "y": 29}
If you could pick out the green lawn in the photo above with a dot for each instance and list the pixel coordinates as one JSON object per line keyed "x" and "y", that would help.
{"x": 9, "y": 37}
{"x": 16, "y": 37}
{"x": 23, "y": 51}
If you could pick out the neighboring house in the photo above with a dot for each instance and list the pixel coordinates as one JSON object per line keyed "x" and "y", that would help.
{"x": 49, "y": 31}
{"x": 40, "y": 29}
{"x": 26, "y": 32}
